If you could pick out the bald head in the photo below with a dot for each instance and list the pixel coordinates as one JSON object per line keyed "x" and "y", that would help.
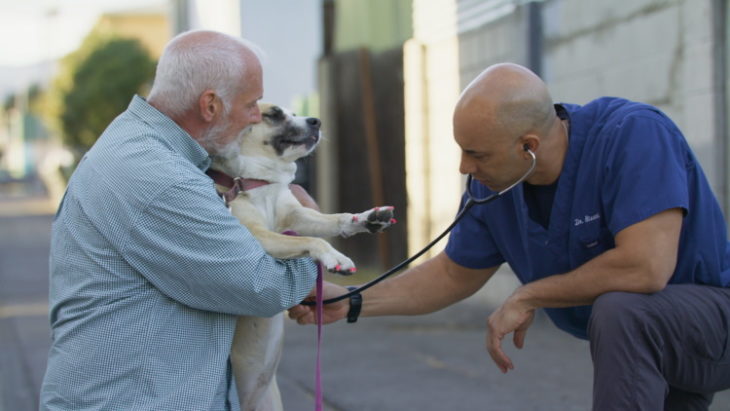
{"x": 505, "y": 124}
{"x": 200, "y": 60}
{"x": 506, "y": 101}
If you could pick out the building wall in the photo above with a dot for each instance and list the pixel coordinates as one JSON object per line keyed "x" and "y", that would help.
{"x": 491, "y": 31}
{"x": 288, "y": 32}
{"x": 656, "y": 51}
{"x": 376, "y": 24}
{"x": 151, "y": 29}
{"x": 432, "y": 85}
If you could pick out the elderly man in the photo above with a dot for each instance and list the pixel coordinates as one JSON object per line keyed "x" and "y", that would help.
{"x": 616, "y": 234}
{"x": 148, "y": 269}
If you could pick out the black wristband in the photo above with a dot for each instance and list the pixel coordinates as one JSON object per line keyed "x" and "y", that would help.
{"x": 355, "y": 306}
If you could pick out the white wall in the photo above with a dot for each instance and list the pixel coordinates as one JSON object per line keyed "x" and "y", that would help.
{"x": 289, "y": 32}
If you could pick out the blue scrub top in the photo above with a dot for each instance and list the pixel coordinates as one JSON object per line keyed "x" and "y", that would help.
{"x": 626, "y": 161}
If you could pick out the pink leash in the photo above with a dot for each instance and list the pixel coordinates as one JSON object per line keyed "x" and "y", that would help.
{"x": 319, "y": 308}
{"x": 318, "y": 368}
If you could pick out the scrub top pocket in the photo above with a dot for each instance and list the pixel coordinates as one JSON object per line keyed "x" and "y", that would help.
{"x": 590, "y": 242}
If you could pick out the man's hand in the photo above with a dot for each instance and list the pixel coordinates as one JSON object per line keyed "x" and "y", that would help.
{"x": 306, "y": 314}
{"x": 512, "y": 316}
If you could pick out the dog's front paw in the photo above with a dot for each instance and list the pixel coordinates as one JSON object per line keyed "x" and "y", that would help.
{"x": 334, "y": 261}
{"x": 376, "y": 219}
{"x": 342, "y": 265}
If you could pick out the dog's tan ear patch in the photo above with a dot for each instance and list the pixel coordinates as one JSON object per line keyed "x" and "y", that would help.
{"x": 263, "y": 107}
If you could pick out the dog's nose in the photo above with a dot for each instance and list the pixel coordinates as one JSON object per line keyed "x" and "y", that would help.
{"x": 313, "y": 121}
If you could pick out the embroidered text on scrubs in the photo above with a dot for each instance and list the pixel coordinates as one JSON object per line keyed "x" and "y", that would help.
{"x": 586, "y": 219}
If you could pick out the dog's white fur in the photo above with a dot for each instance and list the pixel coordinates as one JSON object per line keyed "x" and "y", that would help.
{"x": 268, "y": 151}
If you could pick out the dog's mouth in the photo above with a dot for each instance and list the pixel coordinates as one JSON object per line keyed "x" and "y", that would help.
{"x": 295, "y": 139}
{"x": 307, "y": 141}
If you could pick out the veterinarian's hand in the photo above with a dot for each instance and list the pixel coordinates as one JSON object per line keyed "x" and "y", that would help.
{"x": 305, "y": 314}
{"x": 375, "y": 220}
{"x": 512, "y": 316}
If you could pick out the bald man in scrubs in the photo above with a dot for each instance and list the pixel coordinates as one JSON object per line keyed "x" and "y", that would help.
{"x": 616, "y": 234}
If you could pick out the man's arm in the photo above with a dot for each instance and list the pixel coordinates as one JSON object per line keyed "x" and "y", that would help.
{"x": 642, "y": 262}
{"x": 428, "y": 287}
{"x": 193, "y": 250}
{"x": 425, "y": 288}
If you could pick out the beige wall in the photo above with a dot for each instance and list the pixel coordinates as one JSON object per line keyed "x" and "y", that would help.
{"x": 152, "y": 29}
{"x": 431, "y": 73}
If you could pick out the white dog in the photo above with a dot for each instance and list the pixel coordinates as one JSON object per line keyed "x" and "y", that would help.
{"x": 262, "y": 170}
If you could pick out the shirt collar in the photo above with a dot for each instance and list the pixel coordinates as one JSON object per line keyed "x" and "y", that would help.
{"x": 561, "y": 111}
{"x": 178, "y": 138}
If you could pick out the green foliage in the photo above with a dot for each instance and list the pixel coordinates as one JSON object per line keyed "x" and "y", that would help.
{"x": 98, "y": 84}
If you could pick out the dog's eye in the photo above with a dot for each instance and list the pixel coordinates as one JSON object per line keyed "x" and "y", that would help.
{"x": 274, "y": 114}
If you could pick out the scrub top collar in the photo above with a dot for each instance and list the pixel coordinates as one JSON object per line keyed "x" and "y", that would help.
{"x": 561, "y": 208}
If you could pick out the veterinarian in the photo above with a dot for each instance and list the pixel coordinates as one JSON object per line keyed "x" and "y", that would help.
{"x": 616, "y": 234}
{"x": 148, "y": 269}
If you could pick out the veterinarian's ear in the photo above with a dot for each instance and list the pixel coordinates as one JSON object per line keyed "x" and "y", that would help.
{"x": 209, "y": 105}
{"x": 529, "y": 142}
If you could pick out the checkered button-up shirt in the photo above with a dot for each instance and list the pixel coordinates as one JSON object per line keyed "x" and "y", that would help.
{"x": 148, "y": 271}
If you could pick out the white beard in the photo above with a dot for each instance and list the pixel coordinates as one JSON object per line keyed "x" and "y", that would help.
{"x": 210, "y": 138}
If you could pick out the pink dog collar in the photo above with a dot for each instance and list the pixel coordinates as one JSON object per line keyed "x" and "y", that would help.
{"x": 234, "y": 185}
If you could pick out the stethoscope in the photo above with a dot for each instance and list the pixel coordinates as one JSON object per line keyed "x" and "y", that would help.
{"x": 470, "y": 202}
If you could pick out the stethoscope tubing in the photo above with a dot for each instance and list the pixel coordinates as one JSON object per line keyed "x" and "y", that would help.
{"x": 470, "y": 202}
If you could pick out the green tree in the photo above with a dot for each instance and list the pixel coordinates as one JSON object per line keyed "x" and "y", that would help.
{"x": 102, "y": 82}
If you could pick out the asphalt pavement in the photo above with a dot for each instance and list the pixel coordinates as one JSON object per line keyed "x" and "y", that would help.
{"x": 424, "y": 363}
{"x": 25, "y": 219}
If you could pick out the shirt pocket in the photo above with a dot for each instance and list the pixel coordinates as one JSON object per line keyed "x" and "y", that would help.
{"x": 590, "y": 241}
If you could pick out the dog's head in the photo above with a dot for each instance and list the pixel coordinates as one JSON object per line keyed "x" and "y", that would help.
{"x": 269, "y": 149}
{"x": 281, "y": 135}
